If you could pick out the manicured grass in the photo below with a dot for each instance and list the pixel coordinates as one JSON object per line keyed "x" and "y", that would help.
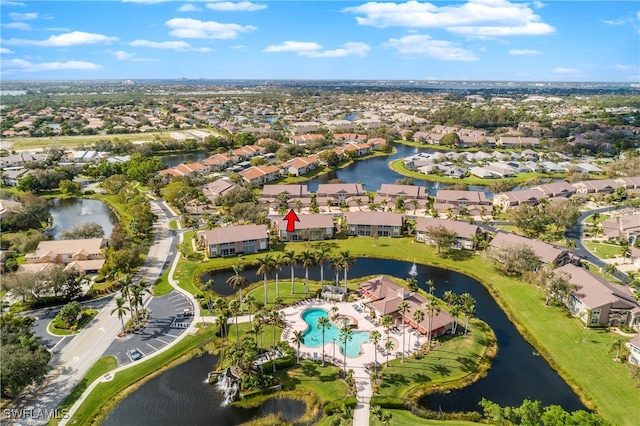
{"x": 162, "y": 287}
{"x": 243, "y": 330}
{"x": 604, "y": 250}
{"x": 455, "y": 359}
{"x": 406, "y": 418}
{"x": 398, "y": 166}
{"x": 101, "y": 367}
{"x": 311, "y": 375}
{"x": 173, "y": 224}
{"x": 107, "y": 395}
{"x": 88, "y": 315}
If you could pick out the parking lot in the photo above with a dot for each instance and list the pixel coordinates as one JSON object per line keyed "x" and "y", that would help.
{"x": 171, "y": 315}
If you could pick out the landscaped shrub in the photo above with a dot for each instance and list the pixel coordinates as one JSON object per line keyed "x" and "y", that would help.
{"x": 337, "y": 406}
{"x": 281, "y": 363}
{"x": 388, "y": 402}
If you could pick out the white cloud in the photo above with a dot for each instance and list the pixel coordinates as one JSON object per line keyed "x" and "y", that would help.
{"x": 11, "y": 3}
{"x": 121, "y": 55}
{"x": 188, "y": 8}
{"x": 424, "y": 45}
{"x": 177, "y": 45}
{"x": 623, "y": 67}
{"x": 615, "y": 21}
{"x": 194, "y": 28}
{"x": 242, "y": 6}
{"x": 476, "y": 18}
{"x": 524, "y": 52}
{"x": 74, "y": 38}
{"x": 146, "y": 1}
{"x": 239, "y": 47}
{"x": 13, "y": 65}
{"x": 568, "y": 71}
{"x": 294, "y": 46}
{"x": 18, "y": 26}
{"x": 23, "y": 16}
{"x": 352, "y": 48}
{"x": 538, "y": 4}
{"x": 5, "y": 51}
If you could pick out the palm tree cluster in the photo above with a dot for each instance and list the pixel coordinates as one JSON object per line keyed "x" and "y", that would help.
{"x": 133, "y": 295}
{"x": 465, "y": 304}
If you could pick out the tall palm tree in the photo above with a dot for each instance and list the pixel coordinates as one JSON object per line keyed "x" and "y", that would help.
{"x": 126, "y": 283}
{"x": 389, "y": 346}
{"x": 336, "y": 265}
{"x": 289, "y": 259}
{"x": 121, "y": 310}
{"x": 136, "y": 300}
{"x": 275, "y": 320}
{"x": 323, "y": 324}
{"x": 403, "y": 307}
{"x": 278, "y": 262}
{"x": 347, "y": 263}
{"x": 306, "y": 260}
{"x": 455, "y": 313}
{"x": 450, "y": 297}
{"x": 433, "y": 308}
{"x": 417, "y": 316}
{"x": 346, "y": 335}
{"x": 238, "y": 281}
{"x": 250, "y": 301}
{"x": 298, "y": 339}
{"x": 616, "y": 346}
{"x": 387, "y": 322}
{"x": 375, "y": 337}
{"x": 265, "y": 266}
{"x": 234, "y": 309}
{"x": 322, "y": 256}
{"x": 468, "y": 304}
{"x": 259, "y": 321}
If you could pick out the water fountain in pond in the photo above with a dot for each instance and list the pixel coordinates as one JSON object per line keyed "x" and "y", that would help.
{"x": 228, "y": 383}
{"x": 414, "y": 270}
{"x": 86, "y": 212}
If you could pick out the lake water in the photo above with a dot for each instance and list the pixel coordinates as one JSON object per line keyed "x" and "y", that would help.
{"x": 177, "y": 159}
{"x": 66, "y": 213}
{"x": 516, "y": 373}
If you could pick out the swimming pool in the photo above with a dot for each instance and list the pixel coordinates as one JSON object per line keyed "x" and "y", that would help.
{"x": 313, "y": 335}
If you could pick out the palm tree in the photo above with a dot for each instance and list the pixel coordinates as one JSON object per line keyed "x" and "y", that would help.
{"x": 259, "y": 321}
{"x": 234, "y": 309}
{"x": 609, "y": 269}
{"x": 237, "y": 280}
{"x": 403, "y": 308}
{"x": 347, "y": 263}
{"x": 432, "y": 308}
{"x": 336, "y": 265}
{"x": 290, "y": 260}
{"x": 334, "y": 312}
{"x": 275, "y": 319}
{"x": 322, "y": 255}
{"x": 387, "y": 322}
{"x": 375, "y": 337}
{"x": 346, "y": 335}
{"x": 306, "y": 259}
{"x": 121, "y": 310}
{"x": 298, "y": 339}
{"x": 418, "y": 317}
{"x": 450, "y": 297}
{"x": 323, "y": 324}
{"x": 278, "y": 261}
{"x": 389, "y": 346}
{"x": 265, "y": 266}
{"x": 126, "y": 283}
{"x": 136, "y": 300}
{"x": 250, "y": 301}
{"x": 617, "y": 346}
{"x": 455, "y": 313}
{"x": 469, "y": 308}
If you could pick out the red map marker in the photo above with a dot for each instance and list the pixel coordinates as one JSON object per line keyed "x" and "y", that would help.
{"x": 291, "y": 219}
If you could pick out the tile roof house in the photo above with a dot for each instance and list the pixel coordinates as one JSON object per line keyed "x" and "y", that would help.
{"x": 465, "y": 231}
{"x": 608, "y": 304}
{"x": 406, "y": 191}
{"x": 306, "y": 138}
{"x": 557, "y": 189}
{"x": 384, "y": 296}
{"x": 340, "y": 191}
{"x": 381, "y": 224}
{"x": 235, "y": 239}
{"x": 11, "y": 177}
{"x": 218, "y": 187}
{"x": 625, "y": 227}
{"x": 515, "y": 198}
{"x": 545, "y": 252}
{"x": 518, "y": 141}
{"x": 634, "y": 350}
{"x": 300, "y": 165}
{"x": 189, "y": 169}
{"x": 461, "y": 198}
{"x": 8, "y": 206}
{"x": 598, "y": 186}
{"x": 259, "y": 175}
{"x": 85, "y": 255}
{"x": 311, "y": 227}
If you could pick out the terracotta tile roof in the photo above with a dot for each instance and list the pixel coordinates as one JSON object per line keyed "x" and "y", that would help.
{"x": 234, "y": 233}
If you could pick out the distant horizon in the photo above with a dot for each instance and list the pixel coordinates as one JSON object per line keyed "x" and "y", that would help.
{"x": 301, "y": 40}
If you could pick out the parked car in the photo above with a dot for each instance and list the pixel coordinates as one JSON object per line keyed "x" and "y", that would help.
{"x": 134, "y": 354}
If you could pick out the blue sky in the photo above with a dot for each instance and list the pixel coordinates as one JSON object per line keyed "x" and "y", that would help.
{"x": 437, "y": 40}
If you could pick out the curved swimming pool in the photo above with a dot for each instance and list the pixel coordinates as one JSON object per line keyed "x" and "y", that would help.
{"x": 313, "y": 335}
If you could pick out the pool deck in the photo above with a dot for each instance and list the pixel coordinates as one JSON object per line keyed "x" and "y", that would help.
{"x": 293, "y": 318}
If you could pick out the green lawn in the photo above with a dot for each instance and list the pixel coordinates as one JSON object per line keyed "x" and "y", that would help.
{"x": 162, "y": 287}
{"x": 311, "y": 375}
{"x": 398, "y": 166}
{"x": 406, "y": 418}
{"x": 106, "y": 395}
{"x": 101, "y": 367}
{"x": 173, "y": 224}
{"x": 457, "y": 359}
{"x": 604, "y": 250}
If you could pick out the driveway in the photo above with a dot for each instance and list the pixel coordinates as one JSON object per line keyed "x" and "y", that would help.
{"x": 166, "y": 324}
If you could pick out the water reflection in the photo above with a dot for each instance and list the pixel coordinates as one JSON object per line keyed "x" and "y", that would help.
{"x": 67, "y": 212}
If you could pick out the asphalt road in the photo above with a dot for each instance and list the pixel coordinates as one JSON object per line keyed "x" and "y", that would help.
{"x": 166, "y": 324}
